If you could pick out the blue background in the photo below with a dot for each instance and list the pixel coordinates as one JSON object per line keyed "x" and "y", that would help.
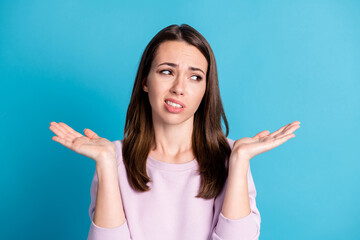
{"x": 75, "y": 61}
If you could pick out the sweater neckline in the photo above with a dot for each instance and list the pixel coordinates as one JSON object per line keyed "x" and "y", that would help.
{"x": 172, "y": 166}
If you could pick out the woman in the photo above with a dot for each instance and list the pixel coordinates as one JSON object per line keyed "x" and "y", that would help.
{"x": 175, "y": 175}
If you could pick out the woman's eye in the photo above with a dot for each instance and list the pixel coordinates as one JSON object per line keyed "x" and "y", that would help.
{"x": 165, "y": 71}
{"x": 168, "y": 72}
{"x": 198, "y": 77}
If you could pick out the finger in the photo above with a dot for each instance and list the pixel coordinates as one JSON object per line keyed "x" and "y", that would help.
{"x": 278, "y": 131}
{"x": 283, "y": 128}
{"x": 281, "y": 140}
{"x": 66, "y": 130}
{"x": 262, "y": 134}
{"x": 57, "y": 130}
{"x": 89, "y": 133}
{"x": 69, "y": 139}
{"x": 287, "y": 130}
{"x": 62, "y": 141}
{"x": 64, "y": 137}
{"x": 70, "y": 130}
{"x": 292, "y": 129}
{"x": 59, "y": 126}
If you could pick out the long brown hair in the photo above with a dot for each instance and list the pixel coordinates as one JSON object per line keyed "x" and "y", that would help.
{"x": 209, "y": 144}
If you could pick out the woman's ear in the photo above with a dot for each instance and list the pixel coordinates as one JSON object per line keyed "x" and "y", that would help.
{"x": 145, "y": 87}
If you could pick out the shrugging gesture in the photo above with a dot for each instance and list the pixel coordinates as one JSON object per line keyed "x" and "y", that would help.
{"x": 243, "y": 150}
{"x": 248, "y": 148}
{"x": 90, "y": 145}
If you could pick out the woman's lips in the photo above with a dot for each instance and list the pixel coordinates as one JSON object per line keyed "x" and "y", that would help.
{"x": 175, "y": 101}
{"x": 173, "y": 109}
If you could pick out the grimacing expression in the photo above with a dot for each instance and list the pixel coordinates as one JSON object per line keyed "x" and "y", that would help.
{"x": 178, "y": 71}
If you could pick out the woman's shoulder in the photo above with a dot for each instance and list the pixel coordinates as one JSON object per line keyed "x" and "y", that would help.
{"x": 231, "y": 142}
{"x": 118, "y": 150}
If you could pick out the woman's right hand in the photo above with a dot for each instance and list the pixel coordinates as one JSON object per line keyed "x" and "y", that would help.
{"x": 90, "y": 145}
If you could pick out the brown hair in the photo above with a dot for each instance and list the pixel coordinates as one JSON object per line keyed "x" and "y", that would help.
{"x": 209, "y": 144}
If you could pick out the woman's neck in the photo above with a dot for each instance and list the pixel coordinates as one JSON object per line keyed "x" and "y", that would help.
{"x": 173, "y": 141}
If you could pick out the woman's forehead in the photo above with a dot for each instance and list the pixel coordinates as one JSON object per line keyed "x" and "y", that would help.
{"x": 180, "y": 53}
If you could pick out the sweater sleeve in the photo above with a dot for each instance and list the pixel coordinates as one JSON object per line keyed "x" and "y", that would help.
{"x": 246, "y": 228}
{"x": 99, "y": 233}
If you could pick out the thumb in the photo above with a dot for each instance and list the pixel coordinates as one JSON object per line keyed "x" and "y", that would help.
{"x": 262, "y": 134}
{"x": 89, "y": 133}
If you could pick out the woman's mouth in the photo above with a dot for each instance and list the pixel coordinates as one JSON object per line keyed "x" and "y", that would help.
{"x": 173, "y": 107}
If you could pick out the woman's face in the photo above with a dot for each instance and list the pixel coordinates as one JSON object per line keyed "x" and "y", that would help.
{"x": 177, "y": 74}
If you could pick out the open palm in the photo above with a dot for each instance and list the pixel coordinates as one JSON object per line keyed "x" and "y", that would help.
{"x": 263, "y": 141}
{"x": 90, "y": 145}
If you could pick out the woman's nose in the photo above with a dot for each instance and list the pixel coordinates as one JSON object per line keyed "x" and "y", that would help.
{"x": 178, "y": 86}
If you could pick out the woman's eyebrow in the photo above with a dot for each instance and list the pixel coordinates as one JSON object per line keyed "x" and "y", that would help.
{"x": 176, "y": 65}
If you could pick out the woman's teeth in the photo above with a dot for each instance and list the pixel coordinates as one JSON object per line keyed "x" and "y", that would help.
{"x": 174, "y": 104}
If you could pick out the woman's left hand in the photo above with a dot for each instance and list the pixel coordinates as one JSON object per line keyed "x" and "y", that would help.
{"x": 247, "y": 148}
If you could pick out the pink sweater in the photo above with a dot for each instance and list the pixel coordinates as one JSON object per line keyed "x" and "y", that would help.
{"x": 170, "y": 210}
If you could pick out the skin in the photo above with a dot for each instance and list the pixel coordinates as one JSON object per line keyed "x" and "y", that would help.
{"x": 173, "y": 130}
{"x": 173, "y": 135}
{"x": 236, "y": 203}
{"x": 109, "y": 212}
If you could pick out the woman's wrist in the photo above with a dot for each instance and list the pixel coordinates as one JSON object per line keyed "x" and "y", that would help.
{"x": 107, "y": 163}
{"x": 239, "y": 165}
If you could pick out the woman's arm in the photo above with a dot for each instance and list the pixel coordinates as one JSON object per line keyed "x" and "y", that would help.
{"x": 239, "y": 217}
{"x": 108, "y": 221}
{"x": 109, "y": 211}
{"x": 236, "y": 202}
{"x": 228, "y": 225}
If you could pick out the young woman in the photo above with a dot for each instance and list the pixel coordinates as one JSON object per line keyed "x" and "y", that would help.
{"x": 175, "y": 175}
